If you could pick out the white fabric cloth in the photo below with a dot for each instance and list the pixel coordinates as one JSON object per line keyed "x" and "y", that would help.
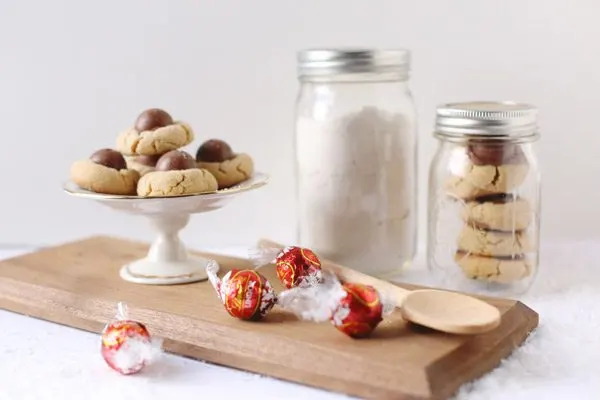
{"x": 41, "y": 360}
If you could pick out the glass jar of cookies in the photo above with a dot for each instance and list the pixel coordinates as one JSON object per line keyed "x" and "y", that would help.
{"x": 484, "y": 198}
{"x": 355, "y": 142}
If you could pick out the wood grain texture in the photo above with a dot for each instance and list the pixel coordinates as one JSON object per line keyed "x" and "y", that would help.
{"x": 77, "y": 284}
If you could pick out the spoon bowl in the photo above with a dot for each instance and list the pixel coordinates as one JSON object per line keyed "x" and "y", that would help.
{"x": 449, "y": 312}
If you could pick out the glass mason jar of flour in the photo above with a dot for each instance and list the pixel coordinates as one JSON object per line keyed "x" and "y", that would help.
{"x": 355, "y": 143}
{"x": 484, "y": 198}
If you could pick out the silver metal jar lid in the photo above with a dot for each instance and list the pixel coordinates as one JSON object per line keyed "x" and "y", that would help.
{"x": 328, "y": 62}
{"x": 503, "y": 120}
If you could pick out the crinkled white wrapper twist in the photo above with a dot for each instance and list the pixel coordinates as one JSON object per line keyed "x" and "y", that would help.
{"x": 311, "y": 279}
{"x": 314, "y": 303}
{"x": 122, "y": 311}
{"x": 388, "y": 301}
{"x": 212, "y": 270}
{"x": 261, "y": 256}
{"x": 136, "y": 353}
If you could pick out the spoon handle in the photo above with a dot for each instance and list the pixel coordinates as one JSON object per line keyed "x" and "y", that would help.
{"x": 349, "y": 275}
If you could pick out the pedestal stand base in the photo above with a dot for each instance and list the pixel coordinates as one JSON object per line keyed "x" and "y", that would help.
{"x": 149, "y": 272}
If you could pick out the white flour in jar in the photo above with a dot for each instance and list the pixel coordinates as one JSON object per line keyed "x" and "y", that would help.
{"x": 356, "y": 189}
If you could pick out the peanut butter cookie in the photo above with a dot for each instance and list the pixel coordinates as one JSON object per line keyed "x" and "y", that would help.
{"x": 176, "y": 174}
{"x": 493, "y": 243}
{"x": 501, "y": 270}
{"x": 154, "y": 133}
{"x": 501, "y": 212}
{"x": 228, "y": 168}
{"x": 469, "y": 179}
{"x": 105, "y": 172}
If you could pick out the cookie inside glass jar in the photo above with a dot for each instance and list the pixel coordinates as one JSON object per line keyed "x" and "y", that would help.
{"x": 494, "y": 240}
{"x": 483, "y": 168}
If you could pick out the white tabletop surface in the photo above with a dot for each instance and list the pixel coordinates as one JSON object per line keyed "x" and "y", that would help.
{"x": 41, "y": 360}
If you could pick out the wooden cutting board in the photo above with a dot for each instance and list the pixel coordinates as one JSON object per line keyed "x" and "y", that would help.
{"x": 77, "y": 284}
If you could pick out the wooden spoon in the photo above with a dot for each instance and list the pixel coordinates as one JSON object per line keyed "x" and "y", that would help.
{"x": 441, "y": 310}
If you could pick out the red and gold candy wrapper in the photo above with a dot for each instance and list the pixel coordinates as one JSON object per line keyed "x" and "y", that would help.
{"x": 353, "y": 308}
{"x": 245, "y": 293}
{"x": 359, "y": 312}
{"x": 127, "y": 346}
{"x": 296, "y": 266}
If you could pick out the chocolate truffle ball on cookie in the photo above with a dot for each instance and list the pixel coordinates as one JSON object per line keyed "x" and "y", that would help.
{"x": 142, "y": 164}
{"x": 176, "y": 174}
{"x": 152, "y": 119}
{"x": 154, "y": 132}
{"x": 214, "y": 150}
{"x": 175, "y": 161}
{"x": 105, "y": 172}
{"x": 228, "y": 167}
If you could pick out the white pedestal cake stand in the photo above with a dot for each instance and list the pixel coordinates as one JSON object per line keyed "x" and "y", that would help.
{"x": 168, "y": 262}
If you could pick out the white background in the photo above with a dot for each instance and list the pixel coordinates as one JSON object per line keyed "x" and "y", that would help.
{"x": 75, "y": 73}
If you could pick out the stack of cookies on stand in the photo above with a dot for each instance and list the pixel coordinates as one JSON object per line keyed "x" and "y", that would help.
{"x": 148, "y": 161}
{"x": 493, "y": 242}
